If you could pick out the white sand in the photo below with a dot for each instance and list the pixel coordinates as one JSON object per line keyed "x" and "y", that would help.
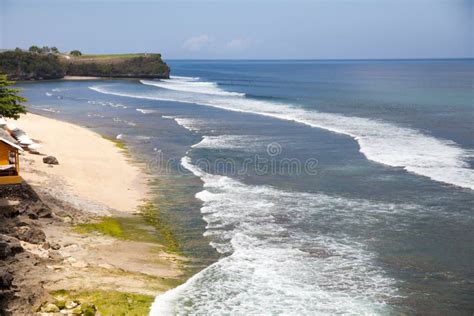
{"x": 80, "y": 78}
{"x": 90, "y": 166}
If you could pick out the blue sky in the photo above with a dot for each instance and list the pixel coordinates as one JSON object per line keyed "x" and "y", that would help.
{"x": 259, "y": 29}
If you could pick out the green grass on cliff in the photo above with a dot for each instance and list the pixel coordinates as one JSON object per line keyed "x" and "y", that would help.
{"x": 103, "y": 56}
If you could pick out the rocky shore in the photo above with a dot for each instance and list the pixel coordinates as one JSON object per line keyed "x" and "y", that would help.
{"x": 22, "y": 273}
{"x": 67, "y": 246}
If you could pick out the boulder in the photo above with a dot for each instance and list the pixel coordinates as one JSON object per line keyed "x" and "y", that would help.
{"x": 44, "y": 212}
{"x": 5, "y": 250}
{"x": 55, "y": 246}
{"x": 38, "y": 210}
{"x": 76, "y": 311}
{"x": 6, "y": 279}
{"x": 71, "y": 304}
{"x": 55, "y": 255}
{"x": 51, "y": 160}
{"x": 50, "y": 308}
{"x": 30, "y": 234}
{"x": 9, "y": 246}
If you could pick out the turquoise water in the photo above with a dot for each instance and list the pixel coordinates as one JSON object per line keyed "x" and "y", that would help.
{"x": 323, "y": 187}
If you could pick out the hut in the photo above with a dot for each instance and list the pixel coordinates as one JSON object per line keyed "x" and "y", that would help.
{"x": 9, "y": 160}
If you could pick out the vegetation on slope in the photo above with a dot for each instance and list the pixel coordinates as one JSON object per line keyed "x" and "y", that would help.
{"x": 21, "y": 65}
{"x": 48, "y": 63}
{"x": 124, "y": 66}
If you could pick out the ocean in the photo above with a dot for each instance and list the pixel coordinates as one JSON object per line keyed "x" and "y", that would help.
{"x": 304, "y": 187}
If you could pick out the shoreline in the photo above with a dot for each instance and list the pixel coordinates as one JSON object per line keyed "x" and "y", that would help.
{"x": 80, "y": 78}
{"x": 105, "y": 253}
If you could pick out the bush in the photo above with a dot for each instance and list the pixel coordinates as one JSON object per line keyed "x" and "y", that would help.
{"x": 20, "y": 65}
{"x": 75, "y": 53}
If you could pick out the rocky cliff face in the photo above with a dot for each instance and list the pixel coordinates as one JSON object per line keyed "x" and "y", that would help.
{"x": 21, "y": 214}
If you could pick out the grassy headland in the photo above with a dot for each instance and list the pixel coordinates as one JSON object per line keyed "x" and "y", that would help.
{"x": 24, "y": 65}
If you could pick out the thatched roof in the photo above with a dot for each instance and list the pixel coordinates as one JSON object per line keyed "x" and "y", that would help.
{"x": 7, "y": 139}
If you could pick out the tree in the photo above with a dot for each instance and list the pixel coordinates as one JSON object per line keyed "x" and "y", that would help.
{"x": 45, "y": 50}
{"x": 10, "y": 106}
{"x": 54, "y": 50}
{"x": 75, "y": 53}
{"x": 34, "y": 49}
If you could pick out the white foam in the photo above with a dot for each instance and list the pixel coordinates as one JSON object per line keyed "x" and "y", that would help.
{"x": 129, "y": 123}
{"x": 45, "y": 108}
{"x": 275, "y": 268}
{"x": 189, "y": 84}
{"x": 193, "y": 125}
{"x": 185, "y": 78}
{"x": 146, "y": 111}
{"x": 108, "y": 104}
{"x": 439, "y": 159}
{"x": 249, "y": 143}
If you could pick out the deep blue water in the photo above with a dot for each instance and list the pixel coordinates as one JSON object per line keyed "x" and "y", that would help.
{"x": 326, "y": 187}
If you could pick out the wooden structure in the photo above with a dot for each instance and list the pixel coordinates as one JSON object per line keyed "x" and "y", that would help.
{"x": 9, "y": 160}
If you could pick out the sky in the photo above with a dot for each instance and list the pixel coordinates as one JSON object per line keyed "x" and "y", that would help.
{"x": 233, "y": 29}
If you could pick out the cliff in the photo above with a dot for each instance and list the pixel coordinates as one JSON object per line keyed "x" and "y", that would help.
{"x": 21, "y": 65}
{"x": 118, "y": 66}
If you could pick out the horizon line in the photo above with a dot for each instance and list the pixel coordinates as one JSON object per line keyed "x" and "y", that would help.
{"x": 319, "y": 59}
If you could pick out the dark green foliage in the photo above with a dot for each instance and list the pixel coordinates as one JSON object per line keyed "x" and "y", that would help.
{"x": 43, "y": 50}
{"x": 34, "y": 49}
{"x": 20, "y": 65}
{"x": 10, "y": 106}
{"x": 75, "y": 53}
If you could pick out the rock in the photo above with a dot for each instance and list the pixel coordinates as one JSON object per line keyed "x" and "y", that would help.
{"x": 60, "y": 303}
{"x": 9, "y": 211}
{"x": 32, "y": 215}
{"x": 50, "y": 308}
{"x": 6, "y": 279}
{"x": 50, "y": 160}
{"x": 30, "y": 234}
{"x": 55, "y": 255}
{"x": 44, "y": 213}
{"x": 21, "y": 222}
{"x": 9, "y": 246}
{"x": 55, "y": 246}
{"x": 5, "y": 250}
{"x": 46, "y": 245}
{"x": 76, "y": 310}
{"x": 71, "y": 304}
{"x": 38, "y": 210}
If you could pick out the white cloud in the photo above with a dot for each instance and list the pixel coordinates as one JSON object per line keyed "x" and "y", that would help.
{"x": 238, "y": 44}
{"x": 197, "y": 43}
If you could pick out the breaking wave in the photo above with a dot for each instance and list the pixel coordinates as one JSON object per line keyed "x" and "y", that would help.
{"x": 387, "y": 143}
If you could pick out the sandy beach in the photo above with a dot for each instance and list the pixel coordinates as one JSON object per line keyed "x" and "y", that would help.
{"x": 80, "y": 78}
{"x": 77, "y": 229}
{"x": 90, "y": 166}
